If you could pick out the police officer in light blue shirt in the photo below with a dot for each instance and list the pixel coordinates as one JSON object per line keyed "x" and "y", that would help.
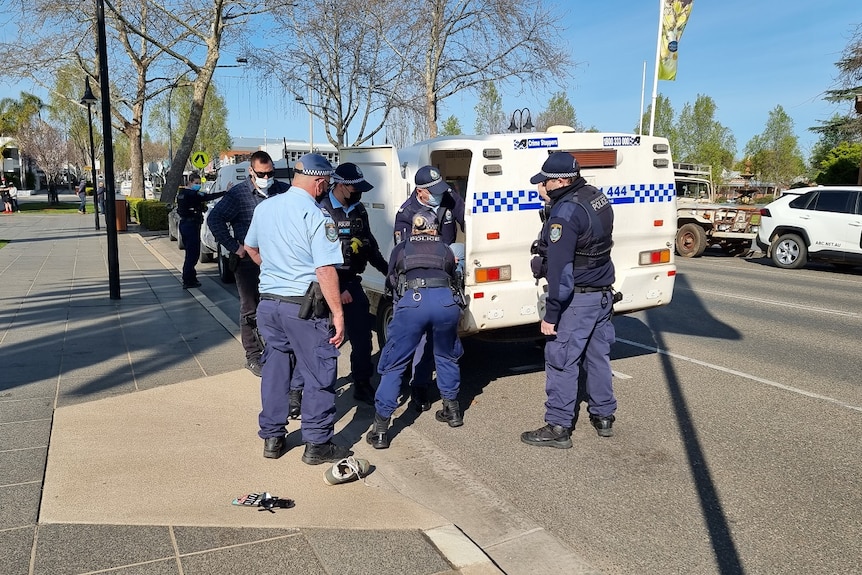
{"x": 296, "y": 244}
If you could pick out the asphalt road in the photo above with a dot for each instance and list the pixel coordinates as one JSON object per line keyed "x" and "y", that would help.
{"x": 738, "y": 444}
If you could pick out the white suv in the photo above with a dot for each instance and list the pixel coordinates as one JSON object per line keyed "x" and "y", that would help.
{"x": 822, "y": 223}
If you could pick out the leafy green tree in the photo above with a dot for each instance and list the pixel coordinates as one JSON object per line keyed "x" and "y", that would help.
{"x": 559, "y": 112}
{"x": 212, "y": 135}
{"x": 490, "y": 118}
{"x": 700, "y": 139}
{"x": 840, "y": 166}
{"x": 775, "y": 152}
{"x": 664, "y": 122}
{"x": 451, "y": 127}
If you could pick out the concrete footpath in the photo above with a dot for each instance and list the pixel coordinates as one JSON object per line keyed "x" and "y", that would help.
{"x": 128, "y": 426}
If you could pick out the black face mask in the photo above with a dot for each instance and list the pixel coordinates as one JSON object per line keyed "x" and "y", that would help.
{"x": 353, "y": 198}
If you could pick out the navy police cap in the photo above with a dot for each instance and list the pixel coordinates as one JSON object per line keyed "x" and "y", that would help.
{"x": 558, "y": 165}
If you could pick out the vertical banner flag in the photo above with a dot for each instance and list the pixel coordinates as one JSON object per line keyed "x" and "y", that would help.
{"x": 673, "y": 20}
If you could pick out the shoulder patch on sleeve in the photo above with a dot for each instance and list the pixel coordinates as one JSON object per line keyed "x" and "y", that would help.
{"x": 555, "y": 232}
{"x": 331, "y": 230}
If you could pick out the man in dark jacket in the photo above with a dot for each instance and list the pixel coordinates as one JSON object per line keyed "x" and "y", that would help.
{"x": 229, "y": 221}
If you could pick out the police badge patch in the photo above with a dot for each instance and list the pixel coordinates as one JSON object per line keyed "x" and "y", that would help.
{"x": 331, "y": 231}
{"x": 556, "y": 232}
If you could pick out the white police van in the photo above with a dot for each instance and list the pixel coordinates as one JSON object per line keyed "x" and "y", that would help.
{"x": 492, "y": 174}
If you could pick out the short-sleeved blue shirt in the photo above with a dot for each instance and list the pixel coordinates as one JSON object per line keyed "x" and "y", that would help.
{"x": 294, "y": 237}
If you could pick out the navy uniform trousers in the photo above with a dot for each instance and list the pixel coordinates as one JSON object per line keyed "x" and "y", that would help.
{"x": 435, "y": 312}
{"x": 305, "y": 342}
{"x": 190, "y": 230}
{"x": 584, "y": 337}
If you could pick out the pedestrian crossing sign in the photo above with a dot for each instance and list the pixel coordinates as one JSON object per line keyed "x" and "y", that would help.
{"x": 200, "y": 160}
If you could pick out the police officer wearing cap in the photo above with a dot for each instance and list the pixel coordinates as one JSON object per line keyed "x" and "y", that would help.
{"x": 431, "y": 193}
{"x": 296, "y": 245}
{"x": 359, "y": 248}
{"x": 422, "y": 275}
{"x": 191, "y": 205}
{"x": 577, "y": 322}
{"x": 229, "y": 221}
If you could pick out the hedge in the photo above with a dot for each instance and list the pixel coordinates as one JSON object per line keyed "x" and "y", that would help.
{"x": 151, "y": 214}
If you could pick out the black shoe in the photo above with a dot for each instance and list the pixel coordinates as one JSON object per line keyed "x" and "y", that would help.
{"x": 419, "y": 398}
{"x": 253, "y": 365}
{"x": 549, "y": 436}
{"x": 604, "y": 425}
{"x": 317, "y": 453}
{"x": 295, "y": 398}
{"x": 451, "y": 413}
{"x": 272, "y": 447}
{"x": 363, "y": 392}
{"x": 378, "y": 437}
{"x": 194, "y": 284}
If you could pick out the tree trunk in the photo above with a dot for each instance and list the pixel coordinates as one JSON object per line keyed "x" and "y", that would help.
{"x": 136, "y": 159}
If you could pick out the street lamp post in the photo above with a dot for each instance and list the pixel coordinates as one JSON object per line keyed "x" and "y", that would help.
{"x": 521, "y": 125}
{"x": 88, "y": 99}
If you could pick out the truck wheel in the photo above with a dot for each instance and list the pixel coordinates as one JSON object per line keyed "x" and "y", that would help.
{"x": 384, "y": 316}
{"x": 224, "y": 273}
{"x": 789, "y": 252}
{"x": 690, "y": 241}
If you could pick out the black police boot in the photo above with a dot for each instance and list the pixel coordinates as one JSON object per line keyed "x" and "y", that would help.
{"x": 363, "y": 392}
{"x": 549, "y": 436}
{"x": 272, "y": 447}
{"x": 295, "y": 405}
{"x": 378, "y": 437}
{"x": 317, "y": 453}
{"x": 419, "y": 398}
{"x": 604, "y": 425}
{"x": 451, "y": 413}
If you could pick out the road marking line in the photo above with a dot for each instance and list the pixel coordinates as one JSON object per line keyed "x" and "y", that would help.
{"x": 773, "y": 302}
{"x": 741, "y": 374}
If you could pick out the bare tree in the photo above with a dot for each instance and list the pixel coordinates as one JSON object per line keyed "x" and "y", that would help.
{"x": 45, "y": 145}
{"x": 457, "y": 45}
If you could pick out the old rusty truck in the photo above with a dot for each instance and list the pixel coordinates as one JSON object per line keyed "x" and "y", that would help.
{"x": 702, "y": 222}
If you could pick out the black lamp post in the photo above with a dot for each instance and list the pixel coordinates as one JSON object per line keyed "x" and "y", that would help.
{"x": 521, "y": 125}
{"x": 88, "y": 99}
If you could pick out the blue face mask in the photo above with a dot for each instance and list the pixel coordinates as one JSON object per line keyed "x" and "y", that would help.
{"x": 434, "y": 200}
{"x": 195, "y": 187}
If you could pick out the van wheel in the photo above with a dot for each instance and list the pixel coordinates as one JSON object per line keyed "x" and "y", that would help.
{"x": 224, "y": 273}
{"x": 690, "y": 241}
{"x": 385, "y": 311}
{"x": 205, "y": 257}
{"x": 789, "y": 252}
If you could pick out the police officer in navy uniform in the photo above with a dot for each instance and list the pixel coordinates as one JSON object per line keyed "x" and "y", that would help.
{"x": 422, "y": 275}
{"x": 579, "y": 303}
{"x": 431, "y": 192}
{"x": 191, "y": 205}
{"x": 359, "y": 248}
{"x": 296, "y": 244}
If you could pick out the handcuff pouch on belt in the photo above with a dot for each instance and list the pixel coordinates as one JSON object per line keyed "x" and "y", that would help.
{"x": 313, "y": 303}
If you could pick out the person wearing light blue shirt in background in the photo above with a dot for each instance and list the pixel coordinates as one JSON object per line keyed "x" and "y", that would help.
{"x": 295, "y": 243}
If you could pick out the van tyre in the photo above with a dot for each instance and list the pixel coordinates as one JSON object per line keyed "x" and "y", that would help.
{"x": 224, "y": 273}
{"x": 789, "y": 252}
{"x": 383, "y": 317}
{"x": 691, "y": 241}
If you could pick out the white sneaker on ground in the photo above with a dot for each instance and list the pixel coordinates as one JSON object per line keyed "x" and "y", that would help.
{"x": 348, "y": 469}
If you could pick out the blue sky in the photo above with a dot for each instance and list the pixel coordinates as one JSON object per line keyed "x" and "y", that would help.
{"x": 749, "y": 56}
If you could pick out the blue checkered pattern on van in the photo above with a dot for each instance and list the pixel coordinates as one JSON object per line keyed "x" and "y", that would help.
{"x": 519, "y": 200}
{"x": 506, "y": 201}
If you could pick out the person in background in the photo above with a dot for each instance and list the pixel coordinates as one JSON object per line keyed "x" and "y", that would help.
{"x": 431, "y": 193}
{"x": 191, "y": 205}
{"x": 53, "y": 196}
{"x": 101, "y": 193}
{"x": 295, "y": 242}
{"x": 423, "y": 278}
{"x": 359, "y": 248}
{"x": 577, "y": 239}
{"x": 82, "y": 197}
{"x": 229, "y": 221}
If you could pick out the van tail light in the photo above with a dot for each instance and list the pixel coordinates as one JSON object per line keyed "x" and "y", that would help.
{"x": 497, "y": 274}
{"x": 654, "y": 257}
{"x": 764, "y": 213}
